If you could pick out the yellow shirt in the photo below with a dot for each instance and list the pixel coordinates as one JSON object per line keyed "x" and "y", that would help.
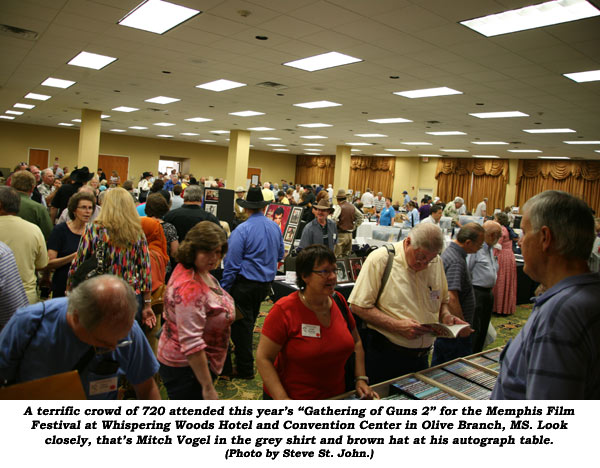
{"x": 27, "y": 242}
{"x": 406, "y": 295}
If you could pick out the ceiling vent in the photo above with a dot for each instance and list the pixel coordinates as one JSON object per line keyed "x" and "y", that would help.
{"x": 13, "y": 31}
{"x": 271, "y": 85}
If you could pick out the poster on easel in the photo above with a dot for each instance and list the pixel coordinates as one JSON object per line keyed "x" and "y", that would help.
{"x": 279, "y": 214}
{"x": 219, "y": 202}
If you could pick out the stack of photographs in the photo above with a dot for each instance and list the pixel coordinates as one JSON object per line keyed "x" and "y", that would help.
{"x": 348, "y": 269}
{"x": 485, "y": 362}
{"x": 472, "y": 374}
{"x": 420, "y": 390}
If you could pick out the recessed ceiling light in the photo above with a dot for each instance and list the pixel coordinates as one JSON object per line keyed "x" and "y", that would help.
{"x": 189, "y": 134}
{"x": 530, "y": 17}
{"x": 164, "y": 124}
{"x": 582, "y": 142}
{"x": 280, "y": 149}
{"x": 275, "y": 144}
{"x": 489, "y": 143}
{"x": 269, "y": 138}
{"x": 220, "y": 132}
{"x": 389, "y": 121}
{"x": 198, "y": 119}
{"x": 397, "y": 150}
{"x": 208, "y": 141}
{"x": 165, "y": 136}
{"x": 584, "y": 77}
{"x": 317, "y": 104}
{"x": 415, "y": 143}
{"x": 444, "y": 150}
{"x": 90, "y": 60}
{"x": 13, "y": 112}
{"x": 383, "y": 154}
{"x": 550, "y": 130}
{"x": 313, "y": 144}
{"x": 65, "y": 124}
{"x": 118, "y": 130}
{"x": 38, "y": 97}
{"x": 260, "y": 129}
{"x": 322, "y": 61}
{"x": 446, "y": 133}
{"x": 314, "y": 125}
{"x": 220, "y": 85}
{"x": 247, "y": 113}
{"x": 6, "y": 117}
{"x": 524, "y": 151}
{"x": 20, "y": 105}
{"x": 313, "y": 154}
{"x": 430, "y": 155}
{"x": 162, "y": 100}
{"x": 157, "y": 16}
{"x": 125, "y": 109}
{"x": 76, "y": 120}
{"x": 137, "y": 127}
{"x": 359, "y": 144}
{"x": 57, "y": 83}
{"x": 553, "y": 157}
{"x": 104, "y": 116}
{"x": 498, "y": 115}
{"x": 370, "y": 135}
{"x": 485, "y": 156}
{"x": 429, "y": 92}
{"x": 355, "y": 150}
{"x": 313, "y": 137}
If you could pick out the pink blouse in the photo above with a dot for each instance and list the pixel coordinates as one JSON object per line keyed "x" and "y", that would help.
{"x": 197, "y": 317}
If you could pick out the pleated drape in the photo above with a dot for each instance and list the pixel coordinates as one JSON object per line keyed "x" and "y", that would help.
{"x": 315, "y": 170}
{"x": 376, "y": 173}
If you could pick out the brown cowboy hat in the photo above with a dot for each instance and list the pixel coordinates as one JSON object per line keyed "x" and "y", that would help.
{"x": 323, "y": 205}
{"x": 341, "y": 194}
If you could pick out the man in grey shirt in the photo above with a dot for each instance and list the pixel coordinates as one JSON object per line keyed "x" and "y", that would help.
{"x": 320, "y": 230}
{"x": 483, "y": 267}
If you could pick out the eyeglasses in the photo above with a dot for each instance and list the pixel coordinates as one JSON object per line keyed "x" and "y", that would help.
{"x": 423, "y": 258}
{"x": 326, "y": 273}
{"x": 120, "y": 344}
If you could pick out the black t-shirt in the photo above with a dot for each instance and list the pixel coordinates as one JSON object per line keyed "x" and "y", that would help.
{"x": 65, "y": 242}
{"x": 186, "y": 217}
{"x": 61, "y": 199}
{"x": 325, "y": 236}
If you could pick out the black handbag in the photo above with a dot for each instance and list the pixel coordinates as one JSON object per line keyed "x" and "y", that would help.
{"x": 94, "y": 266}
{"x": 350, "y": 365}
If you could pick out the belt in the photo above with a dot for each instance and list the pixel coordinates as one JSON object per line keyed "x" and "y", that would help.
{"x": 344, "y": 232}
{"x": 386, "y": 345}
{"x": 481, "y": 288}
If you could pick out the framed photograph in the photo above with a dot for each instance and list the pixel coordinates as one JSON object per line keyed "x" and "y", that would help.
{"x": 254, "y": 179}
{"x": 279, "y": 214}
{"x": 211, "y": 195}
{"x": 342, "y": 273}
{"x": 288, "y": 238}
{"x": 355, "y": 267}
{"x": 211, "y": 208}
{"x": 296, "y": 215}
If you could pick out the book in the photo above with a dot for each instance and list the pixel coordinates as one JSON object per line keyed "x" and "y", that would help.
{"x": 446, "y": 331}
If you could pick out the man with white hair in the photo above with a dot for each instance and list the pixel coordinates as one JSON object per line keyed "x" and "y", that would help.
{"x": 48, "y": 186}
{"x": 481, "y": 209}
{"x": 452, "y": 211}
{"x": 396, "y": 308}
{"x": 92, "y": 331}
{"x": 379, "y": 203}
{"x": 555, "y": 356}
{"x": 268, "y": 194}
{"x": 330, "y": 193}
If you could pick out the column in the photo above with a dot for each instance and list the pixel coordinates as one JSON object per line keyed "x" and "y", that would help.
{"x": 89, "y": 139}
{"x": 341, "y": 176}
{"x": 511, "y": 187}
{"x": 237, "y": 158}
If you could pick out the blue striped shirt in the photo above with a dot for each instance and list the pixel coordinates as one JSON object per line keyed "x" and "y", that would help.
{"x": 12, "y": 293}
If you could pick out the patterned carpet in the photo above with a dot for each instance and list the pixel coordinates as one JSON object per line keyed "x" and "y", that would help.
{"x": 507, "y": 327}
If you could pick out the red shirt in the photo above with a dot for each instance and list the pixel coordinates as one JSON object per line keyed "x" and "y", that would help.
{"x": 309, "y": 368}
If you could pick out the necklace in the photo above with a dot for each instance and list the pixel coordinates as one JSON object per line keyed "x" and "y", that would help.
{"x": 323, "y": 310}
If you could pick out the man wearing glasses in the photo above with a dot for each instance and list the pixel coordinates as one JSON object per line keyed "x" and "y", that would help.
{"x": 92, "y": 331}
{"x": 396, "y": 342}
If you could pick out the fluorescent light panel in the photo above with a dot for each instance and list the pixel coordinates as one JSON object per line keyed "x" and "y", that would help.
{"x": 429, "y": 92}
{"x": 485, "y": 156}
{"x": 13, "y": 112}
{"x": 137, "y": 127}
{"x": 582, "y": 142}
{"x": 76, "y": 120}
{"x": 313, "y": 144}
{"x": 189, "y": 134}
{"x": 359, "y": 144}
{"x": 383, "y": 154}
{"x": 220, "y": 132}
{"x": 553, "y": 157}
{"x": 584, "y": 77}
{"x": 498, "y": 115}
{"x": 489, "y": 143}
{"x": 322, "y": 61}
{"x": 57, "y": 83}
{"x": 37, "y": 97}
{"x": 90, "y": 60}
{"x": 430, "y": 155}
{"x": 65, "y": 124}
{"x": 220, "y": 85}
{"x": 446, "y": 133}
{"x": 104, "y": 116}
{"x": 524, "y": 151}
{"x": 198, "y": 119}
{"x": 550, "y": 130}
{"x": 313, "y": 137}
{"x": 164, "y": 124}
{"x": 165, "y": 136}
{"x": 125, "y": 109}
{"x": 20, "y": 105}
{"x": 275, "y": 144}
{"x": 315, "y": 125}
{"x": 260, "y": 129}
{"x": 162, "y": 100}
{"x": 390, "y": 120}
{"x": 248, "y": 113}
{"x": 280, "y": 149}
{"x": 416, "y": 143}
{"x": 317, "y": 104}
{"x": 157, "y": 16}
{"x": 531, "y": 17}
{"x": 118, "y": 130}
{"x": 7, "y": 117}
{"x": 269, "y": 138}
{"x": 444, "y": 150}
{"x": 396, "y": 149}
{"x": 370, "y": 135}
{"x": 208, "y": 141}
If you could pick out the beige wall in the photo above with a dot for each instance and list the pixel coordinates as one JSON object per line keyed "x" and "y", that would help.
{"x": 143, "y": 153}
{"x": 413, "y": 174}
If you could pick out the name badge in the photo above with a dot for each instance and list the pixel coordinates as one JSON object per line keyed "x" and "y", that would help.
{"x": 98, "y": 387}
{"x": 434, "y": 295}
{"x": 311, "y": 331}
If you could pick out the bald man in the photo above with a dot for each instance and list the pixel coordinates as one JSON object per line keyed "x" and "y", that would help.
{"x": 483, "y": 267}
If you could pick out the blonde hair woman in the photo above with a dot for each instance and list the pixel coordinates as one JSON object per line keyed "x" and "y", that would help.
{"x": 119, "y": 230}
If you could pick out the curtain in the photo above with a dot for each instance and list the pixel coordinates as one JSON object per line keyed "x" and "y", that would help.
{"x": 376, "y": 173}
{"x": 473, "y": 180}
{"x": 579, "y": 178}
{"x": 314, "y": 170}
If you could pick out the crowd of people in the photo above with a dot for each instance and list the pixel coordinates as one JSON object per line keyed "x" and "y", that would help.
{"x": 137, "y": 293}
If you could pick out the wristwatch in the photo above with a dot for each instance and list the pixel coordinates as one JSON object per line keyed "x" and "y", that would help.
{"x": 361, "y": 377}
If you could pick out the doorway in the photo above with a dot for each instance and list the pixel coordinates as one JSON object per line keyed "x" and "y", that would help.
{"x": 39, "y": 158}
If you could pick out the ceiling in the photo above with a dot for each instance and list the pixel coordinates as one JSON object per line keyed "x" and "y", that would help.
{"x": 404, "y": 45}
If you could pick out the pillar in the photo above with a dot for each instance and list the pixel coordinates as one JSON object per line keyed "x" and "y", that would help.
{"x": 89, "y": 139}
{"x": 237, "y": 158}
{"x": 341, "y": 176}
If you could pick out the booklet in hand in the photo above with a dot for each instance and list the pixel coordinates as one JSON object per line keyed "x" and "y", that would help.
{"x": 446, "y": 331}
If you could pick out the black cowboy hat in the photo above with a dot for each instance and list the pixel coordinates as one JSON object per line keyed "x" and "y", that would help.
{"x": 82, "y": 175}
{"x": 254, "y": 199}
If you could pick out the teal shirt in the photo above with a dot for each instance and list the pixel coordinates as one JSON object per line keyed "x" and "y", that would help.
{"x": 35, "y": 213}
